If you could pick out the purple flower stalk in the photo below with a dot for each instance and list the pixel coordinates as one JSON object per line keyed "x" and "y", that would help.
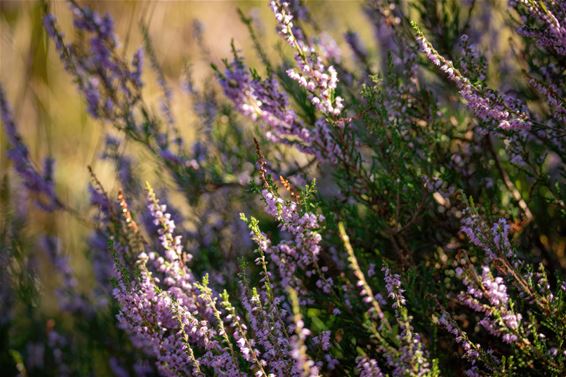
{"x": 552, "y": 95}
{"x": 330, "y": 51}
{"x": 494, "y": 242}
{"x": 108, "y": 83}
{"x": 262, "y": 100}
{"x": 412, "y": 359}
{"x": 301, "y": 251}
{"x": 172, "y": 264}
{"x": 471, "y": 350}
{"x": 319, "y": 80}
{"x": 137, "y": 64}
{"x": 162, "y": 316}
{"x": 41, "y": 185}
{"x": 368, "y": 367}
{"x": 151, "y": 318}
{"x": 500, "y": 320}
{"x": 485, "y": 107}
{"x": 549, "y": 17}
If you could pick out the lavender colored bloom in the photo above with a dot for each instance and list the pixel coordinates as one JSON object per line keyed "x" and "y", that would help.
{"x": 303, "y": 363}
{"x": 487, "y": 107}
{"x": 368, "y": 367}
{"x": 137, "y": 64}
{"x": 549, "y": 18}
{"x": 494, "y": 241}
{"x": 472, "y": 226}
{"x": 412, "y": 357}
{"x": 88, "y": 20}
{"x": 301, "y": 252}
{"x": 143, "y": 308}
{"x": 330, "y": 51}
{"x": 262, "y": 100}
{"x": 41, "y": 185}
{"x": 109, "y": 85}
{"x": 496, "y": 291}
{"x": 162, "y": 309}
{"x": 173, "y": 266}
{"x": 499, "y": 318}
{"x": 470, "y": 350}
{"x": 552, "y": 94}
{"x": 299, "y": 9}
{"x": 92, "y": 96}
{"x": 393, "y": 286}
{"x": 319, "y": 80}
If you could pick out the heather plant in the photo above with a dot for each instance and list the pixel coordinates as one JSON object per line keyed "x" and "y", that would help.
{"x": 347, "y": 206}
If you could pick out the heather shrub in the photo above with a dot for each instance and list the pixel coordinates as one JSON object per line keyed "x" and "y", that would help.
{"x": 391, "y": 206}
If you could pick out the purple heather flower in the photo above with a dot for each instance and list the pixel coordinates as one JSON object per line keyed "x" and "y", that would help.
{"x": 319, "y": 80}
{"x": 549, "y": 18}
{"x": 412, "y": 358}
{"x": 330, "y": 50}
{"x": 108, "y": 83}
{"x": 304, "y": 366}
{"x": 552, "y": 94}
{"x": 41, "y": 185}
{"x": 302, "y": 250}
{"x": 393, "y": 286}
{"x": 162, "y": 311}
{"x": 371, "y": 270}
{"x": 472, "y": 228}
{"x": 487, "y": 107}
{"x": 499, "y": 318}
{"x": 470, "y": 349}
{"x": 496, "y": 291}
{"x": 137, "y": 64}
{"x": 368, "y": 367}
{"x": 494, "y": 241}
{"x": 262, "y": 100}
{"x": 146, "y": 315}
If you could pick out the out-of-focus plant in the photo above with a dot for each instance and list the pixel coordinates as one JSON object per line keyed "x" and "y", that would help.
{"x": 360, "y": 244}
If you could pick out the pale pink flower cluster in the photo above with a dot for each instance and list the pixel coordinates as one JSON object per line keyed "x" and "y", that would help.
{"x": 312, "y": 74}
{"x": 500, "y": 320}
